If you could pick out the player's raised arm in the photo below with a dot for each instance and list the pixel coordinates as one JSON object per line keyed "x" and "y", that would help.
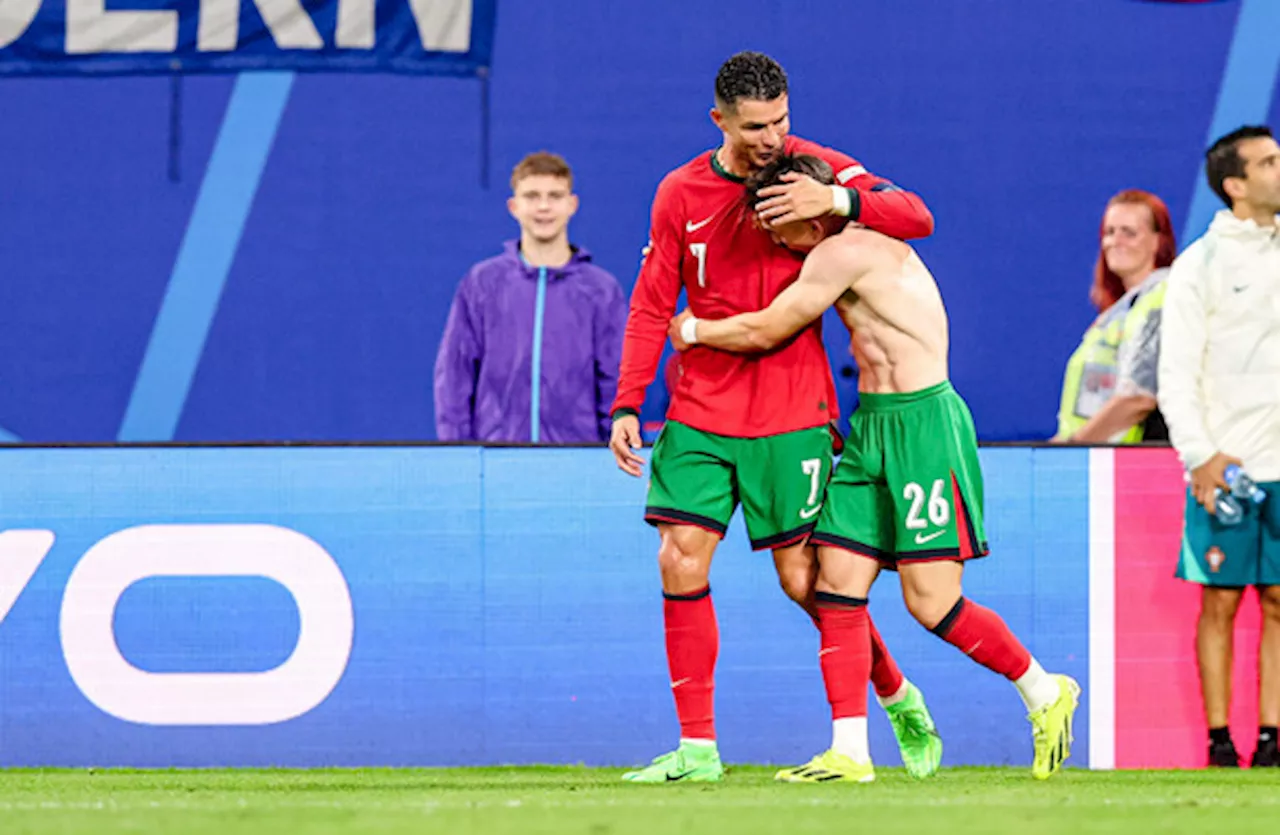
{"x": 859, "y": 195}
{"x": 824, "y": 277}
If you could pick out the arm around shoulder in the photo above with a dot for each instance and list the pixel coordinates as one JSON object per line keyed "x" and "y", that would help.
{"x": 874, "y": 201}
{"x": 823, "y": 279}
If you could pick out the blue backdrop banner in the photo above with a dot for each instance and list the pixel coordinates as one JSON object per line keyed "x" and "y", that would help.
{"x": 273, "y": 257}
{"x": 85, "y": 37}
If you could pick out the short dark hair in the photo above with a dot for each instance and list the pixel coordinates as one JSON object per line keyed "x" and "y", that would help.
{"x": 771, "y": 174}
{"x": 542, "y": 163}
{"x": 749, "y": 75}
{"x": 1222, "y": 160}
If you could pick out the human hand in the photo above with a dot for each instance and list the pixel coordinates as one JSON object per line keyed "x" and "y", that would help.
{"x": 801, "y": 198}
{"x": 674, "y": 329}
{"x": 624, "y": 440}
{"x": 1208, "y": 477}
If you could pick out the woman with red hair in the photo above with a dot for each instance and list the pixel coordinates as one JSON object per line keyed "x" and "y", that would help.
{"x": 1109, "y": 390}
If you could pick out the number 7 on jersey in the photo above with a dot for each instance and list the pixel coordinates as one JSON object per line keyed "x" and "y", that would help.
{"x": 700, "y": 252}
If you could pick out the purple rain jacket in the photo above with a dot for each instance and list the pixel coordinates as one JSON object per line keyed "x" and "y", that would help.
{"x": 522, "y": 341}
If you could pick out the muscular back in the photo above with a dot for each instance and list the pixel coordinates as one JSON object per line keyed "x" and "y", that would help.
{"x": 893, "y": 310}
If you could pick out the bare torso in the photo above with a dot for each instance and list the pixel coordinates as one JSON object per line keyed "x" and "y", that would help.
{"x": 894, "y": 313}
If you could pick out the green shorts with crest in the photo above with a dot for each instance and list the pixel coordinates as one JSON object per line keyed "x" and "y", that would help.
{"x": 1232, "y": 556}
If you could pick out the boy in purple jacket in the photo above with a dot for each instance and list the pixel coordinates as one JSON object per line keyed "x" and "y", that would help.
{"x": 531, "y": 348}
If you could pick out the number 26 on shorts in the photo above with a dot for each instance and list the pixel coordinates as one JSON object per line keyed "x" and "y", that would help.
{"x": 939, "y": 509}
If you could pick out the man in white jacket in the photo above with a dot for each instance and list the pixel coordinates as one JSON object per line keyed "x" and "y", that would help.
{"x": 1219, "y": 390}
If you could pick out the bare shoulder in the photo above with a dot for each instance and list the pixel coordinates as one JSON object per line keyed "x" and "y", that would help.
{"x": 857, "y": 247}
{"x": 861, "y": 237}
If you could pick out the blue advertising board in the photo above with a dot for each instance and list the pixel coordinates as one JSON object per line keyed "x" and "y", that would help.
{"x": 315, "y": 606}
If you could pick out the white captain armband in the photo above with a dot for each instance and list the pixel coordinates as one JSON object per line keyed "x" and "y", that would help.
{"x": 841, "y": 203}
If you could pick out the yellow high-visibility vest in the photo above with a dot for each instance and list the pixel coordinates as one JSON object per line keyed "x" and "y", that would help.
{"x": 1091, "y": 374}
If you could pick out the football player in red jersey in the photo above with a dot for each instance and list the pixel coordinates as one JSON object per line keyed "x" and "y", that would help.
{"x": 911, "y": 436}
{"x": 743, "y": 428}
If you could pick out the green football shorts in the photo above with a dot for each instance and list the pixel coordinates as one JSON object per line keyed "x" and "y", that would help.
{"x": 698, "y": 478}
{"x": 909, "y": 485}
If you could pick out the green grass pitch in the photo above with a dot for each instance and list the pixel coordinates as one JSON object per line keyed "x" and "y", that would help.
{"x": 593, "y": 801}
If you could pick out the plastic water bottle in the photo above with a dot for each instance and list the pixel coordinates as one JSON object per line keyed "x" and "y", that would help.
{"x": 1226, "y": 507}
{"x": 1243, "y": 487}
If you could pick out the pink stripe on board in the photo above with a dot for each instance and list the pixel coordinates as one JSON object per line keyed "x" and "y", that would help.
{"x": 1159, "y": 717}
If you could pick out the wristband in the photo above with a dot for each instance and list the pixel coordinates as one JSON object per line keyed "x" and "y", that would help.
{"x": 689, "y": 330}
{"x": 841, "y": 202}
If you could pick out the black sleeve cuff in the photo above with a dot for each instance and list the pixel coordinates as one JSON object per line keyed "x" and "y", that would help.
{"x": 624, "y": 411}
{"x": 855, "y": 203}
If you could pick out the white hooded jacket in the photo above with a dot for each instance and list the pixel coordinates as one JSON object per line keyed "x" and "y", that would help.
{"x": 1219, "y": 371}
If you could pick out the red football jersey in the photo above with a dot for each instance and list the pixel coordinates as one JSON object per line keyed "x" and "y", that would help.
{"x": 704, "y": 239}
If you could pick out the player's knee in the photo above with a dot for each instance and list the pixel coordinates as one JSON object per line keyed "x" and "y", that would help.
{"x": 846, "y": 574}
{"x": 1218, "y": 606}
{"x": 684, "y": 560}
{"x": 796, "y": 583}
{"x": 797, "y": 569}
{"x": 1270, "y": 598}
{"x": 675, "y": 560}
{"x": 929, "y": 606}
{"x": 930, "y": 591}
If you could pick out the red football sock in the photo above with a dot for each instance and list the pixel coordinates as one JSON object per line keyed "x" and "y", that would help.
{"x": 885, "y": 675}
{"x": 886, "y": 678}
{"x": 982, "y": 635}
{"x": 693, "y": 641}
{"x": 846, "y": 653}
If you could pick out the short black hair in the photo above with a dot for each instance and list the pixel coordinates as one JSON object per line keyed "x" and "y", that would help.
{"x": 749, "y": 75}
{"x": 771, "y": 174}
{"x": 1222, "y": 160}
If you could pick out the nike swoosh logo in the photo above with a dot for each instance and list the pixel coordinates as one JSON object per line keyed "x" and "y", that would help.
{"x": 690, "y": 226}
{"x": 676, "y": 684}
{"x": 922, "y": 539}
{"x": 671, "y": 778}
{"x": 823, "y": 652}
{"x": 809, "y": 514}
